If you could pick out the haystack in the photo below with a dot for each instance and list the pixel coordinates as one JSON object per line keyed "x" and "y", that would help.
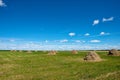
{"x": 13, "y": 50}
{"x": 36, "y": 50}
{"x": 74, "y": 52}
{"x": 92, "y": 56}
{"x": 20, "y": 50}
{"x": 44, "y": 51}
{"x": 113, "y": 52}
{"x": 29, "y": 51}
{"x": 52, "y": 52}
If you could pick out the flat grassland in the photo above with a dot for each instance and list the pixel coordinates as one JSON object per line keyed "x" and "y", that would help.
{"x": 62, "y": 66}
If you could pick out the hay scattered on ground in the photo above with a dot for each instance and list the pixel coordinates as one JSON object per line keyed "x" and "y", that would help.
{"x": 114, "y": 52}
{"x": 92, "y": 56}
{"x": 109, "y": 76}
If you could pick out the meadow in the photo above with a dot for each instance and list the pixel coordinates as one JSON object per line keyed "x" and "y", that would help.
{"x": 62, "y": 66}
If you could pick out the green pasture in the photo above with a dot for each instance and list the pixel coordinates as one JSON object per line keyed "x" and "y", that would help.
{"x": 62, "y": 66}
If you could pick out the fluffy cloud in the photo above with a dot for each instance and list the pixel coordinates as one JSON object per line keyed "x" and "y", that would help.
{"x": 72, "y": 34}
{"x": 103, "y": 33}
{"x": 108, "y": 19}
{"x": 12, "y": 40}
{"x": 95, "y": 41}
{"x": 46, "y": 41}
{"x": 38, "y": 46}
{"x": 95, "y": 22}
{"x": 87, "y": 34}
{"x": 64, "y": 40}
{"x": 2, "y": 3}
{"x": 78, "y": 41}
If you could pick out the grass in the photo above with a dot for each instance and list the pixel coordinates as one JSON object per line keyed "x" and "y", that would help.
{"x": 63, "y": 66}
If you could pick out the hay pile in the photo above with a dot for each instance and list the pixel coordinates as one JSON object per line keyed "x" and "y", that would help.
{"x": 52, "y": 52}
{"x": 29, "y": 51}
{"x": 113, "y": 52}
{"x": 13, "y": 50}
{"x": 36, "y": 50}
{"x": 92, "y": 56}
{"x": 20, "y": 50}
{"x": 74, "y": 52}
{"x": 45, "y": 51}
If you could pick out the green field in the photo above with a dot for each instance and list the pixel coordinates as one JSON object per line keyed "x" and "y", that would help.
{"x": 63, "y": 66}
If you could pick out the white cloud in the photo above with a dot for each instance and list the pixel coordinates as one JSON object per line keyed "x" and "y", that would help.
{"x": 72, "y": 34}
{"x": 108, "y": 19}
{"x": 12, "y": 40}
{"x": 2, "y": 4}
{"x": 28, "y": 45}
{"x": 78, "y": 41}
{"x": 87, "y": 34}
{"x": 46, "y": 41}
{"x": 95, "y": 41}
{"x": 83, "y": 41}
{"x": 64, "y": 40}
{"x": 103, "y": 33}
{"x": 95, "y": 22}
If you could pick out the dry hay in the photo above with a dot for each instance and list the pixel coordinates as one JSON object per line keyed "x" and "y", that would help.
{"x": 29, "y": 51}
{"x": 13, "y": 50}
{"x": 36, "y": 50}
{"x": 74, "y": 52}
{"x": 45, "y": 51}
{"x": 111, "y": 76}
{"x": 92, "y": 56}
{"x": 113, "y": 52}
{"x": 52, "y": 52}
{"x": 20, "y": 50}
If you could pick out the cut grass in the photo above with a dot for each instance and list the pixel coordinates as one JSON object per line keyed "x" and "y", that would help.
{"x": 63, "y": 66}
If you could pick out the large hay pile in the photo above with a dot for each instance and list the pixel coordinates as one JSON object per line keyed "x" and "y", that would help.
{"x": 113, "y": 52}
{"x": 52, "y": 52}
{"x": 92, "y": 56}
{"x": 74, "y": 52}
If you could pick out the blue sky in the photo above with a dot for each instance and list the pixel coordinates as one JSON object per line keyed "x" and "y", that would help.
{"x": 59, "y": 24}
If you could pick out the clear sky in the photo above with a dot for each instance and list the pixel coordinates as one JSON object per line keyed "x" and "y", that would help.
{"x": 59, "y": 24}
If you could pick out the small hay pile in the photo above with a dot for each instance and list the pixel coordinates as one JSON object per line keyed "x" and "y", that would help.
{"x": 13, "y": 50}
{"x": 35, "y": 50}
{"x": 20, "y": 50}
{"x": 113, "y": 52}
{"x": 74, "y": 52}
{"x": 92, "y": 56}
{"x": 29, "y": 51}
{"x": 52, "y": 52}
